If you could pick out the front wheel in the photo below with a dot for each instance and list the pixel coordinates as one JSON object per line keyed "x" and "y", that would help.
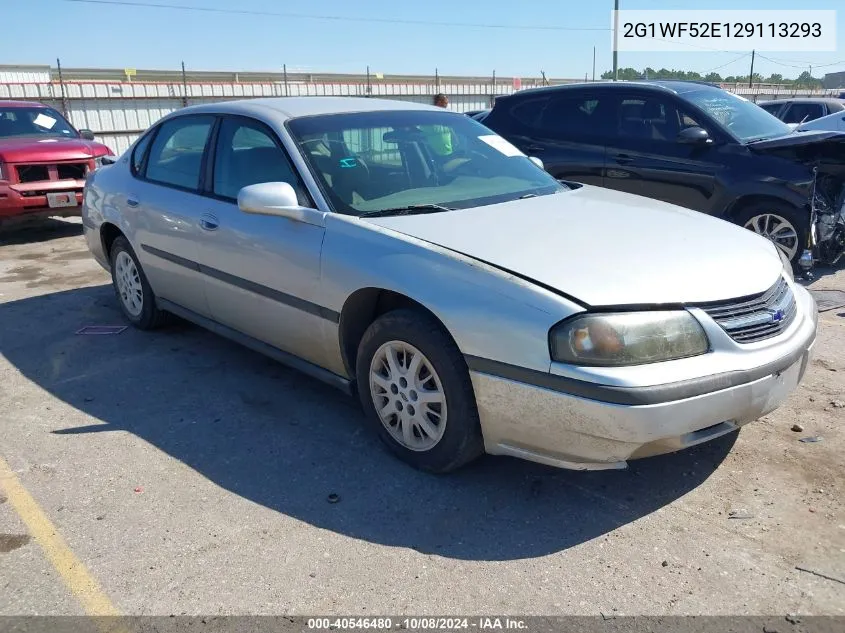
{"x": 786, "y": 226}
{"x": 415, "y": 388}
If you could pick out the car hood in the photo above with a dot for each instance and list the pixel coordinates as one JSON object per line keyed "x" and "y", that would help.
{"x": 605, "y": 248}
{"x": 25, "y": 150}
{"x": 810, "y": 147}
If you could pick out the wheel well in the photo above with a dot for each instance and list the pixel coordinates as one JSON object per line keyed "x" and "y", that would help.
{"x": 360, "y": 310}
{"x": 108, "y": 234}
{"x": 746, "y": 201}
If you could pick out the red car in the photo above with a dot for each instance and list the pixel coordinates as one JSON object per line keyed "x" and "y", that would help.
{"x": 43, "y": 162}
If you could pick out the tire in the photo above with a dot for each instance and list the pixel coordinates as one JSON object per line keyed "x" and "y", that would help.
{"x": 438, "y": 445}
{"x": 129, "y": 280}
{"x": 753, "y": 217}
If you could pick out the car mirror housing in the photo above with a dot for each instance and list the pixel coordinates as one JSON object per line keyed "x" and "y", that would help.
{"x": 694, "y": 136}
{"x": 278, "y": 199}
{"x": 86, "y": 134}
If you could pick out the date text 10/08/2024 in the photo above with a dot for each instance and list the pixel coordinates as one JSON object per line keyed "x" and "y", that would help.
{"x": 417, "y": 624}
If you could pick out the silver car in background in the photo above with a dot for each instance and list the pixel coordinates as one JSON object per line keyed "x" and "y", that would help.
{"x": 473, "y": 302}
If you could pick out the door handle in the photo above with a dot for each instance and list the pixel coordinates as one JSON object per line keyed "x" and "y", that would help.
{"x": 623, "y": 159}
{"x": 209, "y": 222}
{"x": 132, "y": 201}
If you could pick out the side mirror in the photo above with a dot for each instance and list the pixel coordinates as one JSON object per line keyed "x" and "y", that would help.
{"x": 694, "y": 136}
{"x": 537, "y": 162}
{"x": 86, "y": 134}
{"x": 278, "y": 199}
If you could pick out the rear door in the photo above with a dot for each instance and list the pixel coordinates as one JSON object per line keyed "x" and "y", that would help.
{"x": 564, "y": 129}
{"x": 165, "y": 196}
{"x": 645, "y": 157}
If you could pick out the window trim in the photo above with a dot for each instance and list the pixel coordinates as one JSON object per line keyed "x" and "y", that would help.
{"x": 157, "y": 130}
{"x": 208, "y": 181}
{"x": 149, "y": 135}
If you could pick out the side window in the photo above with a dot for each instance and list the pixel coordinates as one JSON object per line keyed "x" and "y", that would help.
{"x": 574, "y": 116}
{"x": 801, "y": 112}
{"x": 138, "y": 153}
{"x": 652, "y": 118}
{"x": 176, "y": 153}
{"x": 528, "y": 111}
{"x": 247, "y": 154}
{"x": 772, "y": 108}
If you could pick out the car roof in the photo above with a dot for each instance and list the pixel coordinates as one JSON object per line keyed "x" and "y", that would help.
{"x": 662, "y": 85}
{"x": 292, "y": 107}
{"x": 22, "y": 104}
{"x": 804, "y": 100}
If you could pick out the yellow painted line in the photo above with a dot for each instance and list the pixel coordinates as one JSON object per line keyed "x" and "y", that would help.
{"x": 73, "y": 573}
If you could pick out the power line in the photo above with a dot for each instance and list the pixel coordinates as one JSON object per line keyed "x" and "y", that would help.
{"x": 803, "y": 64}
{"x": 736, "y": 59}
{"x": 307, "y": 16}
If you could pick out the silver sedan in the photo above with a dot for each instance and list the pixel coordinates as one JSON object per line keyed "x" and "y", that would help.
{"x": 473, "y": 303}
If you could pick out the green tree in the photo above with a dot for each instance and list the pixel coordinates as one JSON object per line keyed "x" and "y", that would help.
{"x": 713, "y": 78}
{"x": 775, "y": 78}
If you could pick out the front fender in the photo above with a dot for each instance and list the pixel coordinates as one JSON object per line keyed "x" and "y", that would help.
{"x": 489, "y": 313}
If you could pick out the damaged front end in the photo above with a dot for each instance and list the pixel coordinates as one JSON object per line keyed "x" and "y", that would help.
{"x": 824, "y": 154}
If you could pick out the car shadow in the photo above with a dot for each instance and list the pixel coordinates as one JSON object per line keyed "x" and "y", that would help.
{"x": 287, "y": 442}
{"x": 36, "y": 231}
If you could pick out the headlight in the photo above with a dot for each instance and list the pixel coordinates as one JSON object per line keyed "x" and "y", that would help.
{"x": 787, "y": 265}
{"x": 3, "y": 172}
{"x": 627, "y": 338}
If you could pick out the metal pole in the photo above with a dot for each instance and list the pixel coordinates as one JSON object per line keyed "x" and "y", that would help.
{"x": 285, "y": 73}
{"x": 615, "y": 40}
{"x": 369, "y": 88}
{"x": 594, "y": 63}
{"x": 184, "y": 87}
{"x": 62, "y": 86}
{"x": 493, "y": 96}
{"x": 436, "y": 81}
{"x": 751, "y": 74}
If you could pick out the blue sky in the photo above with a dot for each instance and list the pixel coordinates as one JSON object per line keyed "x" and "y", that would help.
{"x": 105, "y": 35}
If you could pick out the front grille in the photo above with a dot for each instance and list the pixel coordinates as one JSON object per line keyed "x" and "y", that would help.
{"x": 72, "y": 170}
{"x": 63, "y": 171}
{"x": 755, "y": 318}
{"x": 33, "y": 173}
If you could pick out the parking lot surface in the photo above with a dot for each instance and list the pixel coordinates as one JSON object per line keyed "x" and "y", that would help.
{"x": 174, "y": 472}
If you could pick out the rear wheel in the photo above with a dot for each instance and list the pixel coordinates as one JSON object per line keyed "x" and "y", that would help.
{"x": 784, "y": 225}
{"x": 136, "y": 298}
{"x": 415, "y": 389}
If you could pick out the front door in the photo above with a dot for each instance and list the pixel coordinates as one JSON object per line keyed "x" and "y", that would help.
{"x": 261, "y": 271}
{"x": 646, "y": 158}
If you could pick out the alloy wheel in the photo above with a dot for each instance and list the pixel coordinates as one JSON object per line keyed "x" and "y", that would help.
{"x": 778, "y": 229}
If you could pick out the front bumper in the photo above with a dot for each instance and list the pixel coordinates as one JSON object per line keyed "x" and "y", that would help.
{"x": 30, "y": 199}
{"x": 545, "y": 424}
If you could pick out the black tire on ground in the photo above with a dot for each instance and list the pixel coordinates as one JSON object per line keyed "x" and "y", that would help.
{"x": 462, "y": 441}
{"x": 150, "y": 317}
{"x": 799, "y": 219}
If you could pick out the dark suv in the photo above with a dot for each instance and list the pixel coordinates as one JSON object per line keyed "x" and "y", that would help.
{"x": 691, "y": 144}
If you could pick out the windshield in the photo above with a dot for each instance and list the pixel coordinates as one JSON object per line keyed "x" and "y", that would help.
{"x": 369, "y": 162}
{"x": 742, "y": 119}
{"x": 34, "y": 121}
